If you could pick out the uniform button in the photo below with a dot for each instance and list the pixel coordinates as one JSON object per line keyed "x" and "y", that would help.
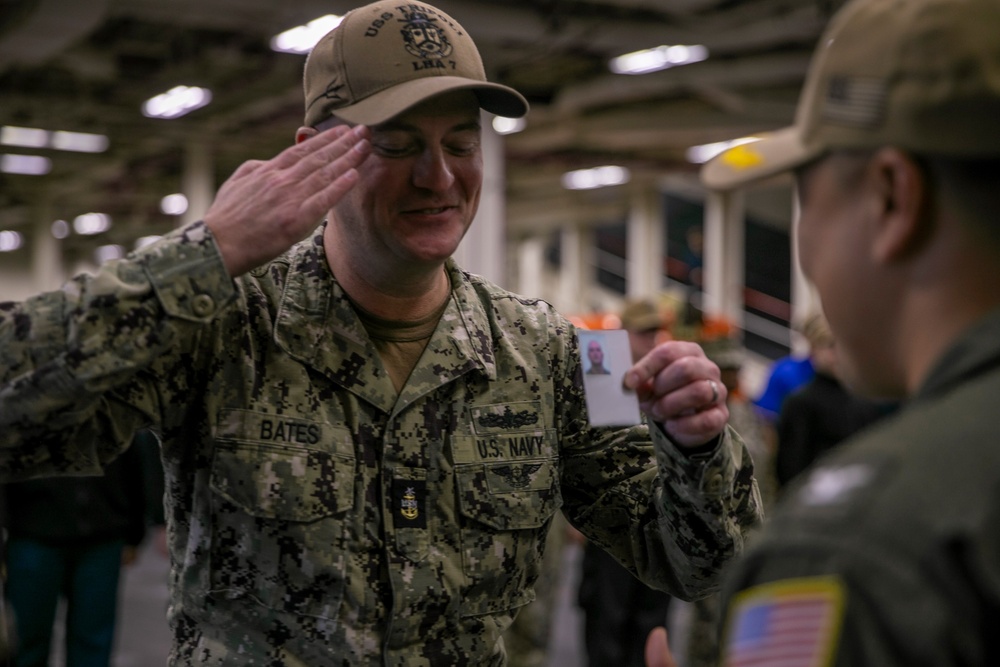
{"x": 714, "y": 484}
{"x": 203, "y": 305}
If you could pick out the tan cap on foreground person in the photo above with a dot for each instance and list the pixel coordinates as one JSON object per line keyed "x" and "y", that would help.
{"x": 916, "y": 75}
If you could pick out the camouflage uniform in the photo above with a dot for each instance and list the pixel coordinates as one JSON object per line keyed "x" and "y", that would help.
{"x": 318, "y": 518}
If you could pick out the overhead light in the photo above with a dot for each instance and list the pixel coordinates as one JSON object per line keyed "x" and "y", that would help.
{"x": 81, "y": 142}
{"x": 661, "y": 57}
{"x": 175, "y": 204}
{"x": 106, "y": 253}
{"x": 301, "y": 39}
{"x": 176, "y": 102}
{"x": 597, "y": 177}
{"x": 91, "y": 223}
{"x": 30, "y": 165}
{"x": 60, "y": 229}
{"x": 504, "y": 125}
{"x": 705, "y": 152}
{"x": 10, "y": 241}
{"x": 26, "y": 137}
{"x": 33, "y": 137}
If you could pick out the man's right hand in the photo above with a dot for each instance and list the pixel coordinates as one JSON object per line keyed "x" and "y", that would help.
{"x": 266, "y": 207}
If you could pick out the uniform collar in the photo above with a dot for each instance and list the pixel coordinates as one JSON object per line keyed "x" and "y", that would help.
{"x": 317, "y": 325}
{"x": 975, "y": 351}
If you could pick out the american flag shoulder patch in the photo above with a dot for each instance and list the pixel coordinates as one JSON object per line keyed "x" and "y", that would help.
{"x": 788, "y": 623}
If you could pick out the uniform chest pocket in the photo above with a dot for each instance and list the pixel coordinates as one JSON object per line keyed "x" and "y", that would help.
{"x": 279, "y": 527}
{"x": 283, "y": 482}
{"x": 506, "y": 510}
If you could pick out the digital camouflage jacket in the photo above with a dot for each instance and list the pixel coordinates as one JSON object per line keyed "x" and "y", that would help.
{"x": 315, "y": 516}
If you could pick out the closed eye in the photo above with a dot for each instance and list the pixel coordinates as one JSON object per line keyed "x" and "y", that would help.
{"x": 388, "y": 149}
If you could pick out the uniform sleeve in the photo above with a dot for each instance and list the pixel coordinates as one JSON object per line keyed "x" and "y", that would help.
{"x": 839, "y": 600}
{"x": 673, "y": 520}
{"x": 83, "y": 367}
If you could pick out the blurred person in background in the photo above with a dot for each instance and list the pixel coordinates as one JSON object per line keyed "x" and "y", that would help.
{"x": 701, "y": 641}
{"x": 618, "y": 609}
{"x": 820, "y": 414}
{"x": 789, "y": 373}
{"x": 69, "y": 537}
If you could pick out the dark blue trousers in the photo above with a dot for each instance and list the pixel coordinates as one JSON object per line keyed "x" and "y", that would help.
{"x": 87, "y": 576}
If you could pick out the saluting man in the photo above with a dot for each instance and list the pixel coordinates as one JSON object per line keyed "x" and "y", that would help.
{"x": 364, "y": 444}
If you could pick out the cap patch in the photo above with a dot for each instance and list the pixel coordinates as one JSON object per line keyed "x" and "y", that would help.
{"x": 421, "y": 36}
{"x": 792, "y": 623}
{"x": 855, "y": 101}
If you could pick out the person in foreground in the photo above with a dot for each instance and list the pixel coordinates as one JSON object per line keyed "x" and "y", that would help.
{"x": 886, "y": 552}
{"x": 364, "y": 445}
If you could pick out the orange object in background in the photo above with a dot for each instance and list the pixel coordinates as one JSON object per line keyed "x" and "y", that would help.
{"x": 596, "y": 321}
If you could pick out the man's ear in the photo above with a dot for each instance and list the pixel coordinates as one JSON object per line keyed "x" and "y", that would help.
{"x": 304, "y": 133}
{"x": 904, "y": 192}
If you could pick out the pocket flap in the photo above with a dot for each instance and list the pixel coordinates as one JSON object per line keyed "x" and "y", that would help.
{"x": 509, "y": 495}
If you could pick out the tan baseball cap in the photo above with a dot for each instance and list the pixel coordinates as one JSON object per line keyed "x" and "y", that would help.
{"x": 921, "y": 75}
{"x": 388, "y": 56}
{"x": 642, "y": 315}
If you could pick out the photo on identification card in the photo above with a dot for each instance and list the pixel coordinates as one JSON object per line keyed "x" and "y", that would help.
{"x": 606, "y": 357}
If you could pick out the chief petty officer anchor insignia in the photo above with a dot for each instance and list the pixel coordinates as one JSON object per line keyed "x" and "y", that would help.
{"x": 409, "y": 495}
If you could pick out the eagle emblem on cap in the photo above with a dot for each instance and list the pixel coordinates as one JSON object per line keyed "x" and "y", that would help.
{"x": 422, "y": 37}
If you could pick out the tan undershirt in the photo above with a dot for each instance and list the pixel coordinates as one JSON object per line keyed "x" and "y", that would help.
{"x": 399, "y": 344}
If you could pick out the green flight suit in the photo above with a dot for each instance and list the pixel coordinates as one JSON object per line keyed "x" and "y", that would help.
{"x": 887, "y": 552}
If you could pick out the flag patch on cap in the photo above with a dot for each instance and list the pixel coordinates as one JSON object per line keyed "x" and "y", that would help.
{"x": 854, "y": 100}
{"x": 792, "y": 623}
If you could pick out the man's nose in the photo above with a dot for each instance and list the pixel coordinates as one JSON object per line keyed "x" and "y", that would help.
{"x": 432, "y": 170}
